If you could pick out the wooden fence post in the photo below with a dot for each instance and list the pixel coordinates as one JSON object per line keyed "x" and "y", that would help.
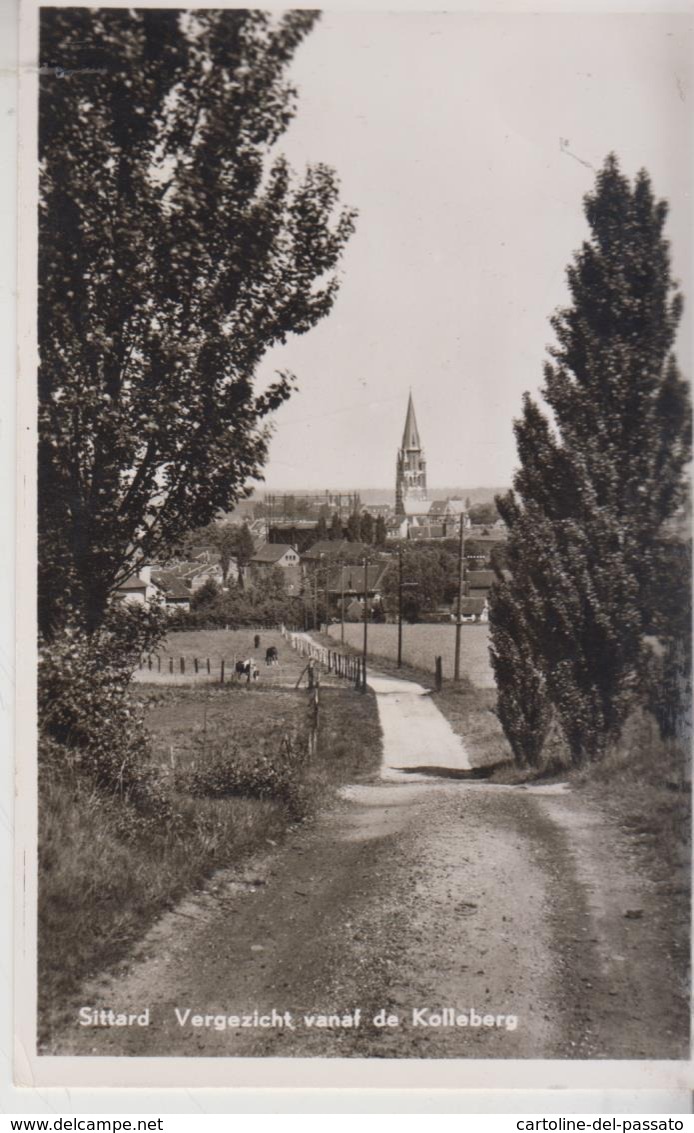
{"x": 439, "y": 674}
{"x": 208, "y": 665}
{"x": 158, "y": 663}
{"x": 195, "y": 662}
{"x": 183, "y": 664}
{"x": 171, "y": 664}
{"x": 221, "y": 678}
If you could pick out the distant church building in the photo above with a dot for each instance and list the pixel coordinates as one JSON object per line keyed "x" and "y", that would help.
{"x": 411, "y": 472}
{"x": 416, "y": 516}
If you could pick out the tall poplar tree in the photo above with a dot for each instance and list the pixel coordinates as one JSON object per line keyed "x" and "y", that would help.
{"x": 175, "y": 248}
{"x": 598, "y": 480}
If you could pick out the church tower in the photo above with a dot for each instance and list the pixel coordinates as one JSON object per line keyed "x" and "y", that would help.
{"x": 411, "y": 473}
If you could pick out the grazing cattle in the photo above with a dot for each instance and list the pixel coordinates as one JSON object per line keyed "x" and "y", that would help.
{"x": 247, "y": 669}
{"x": 272, "y": 657}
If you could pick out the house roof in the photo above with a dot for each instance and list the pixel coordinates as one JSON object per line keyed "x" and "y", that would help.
{"x": 352, "y": 578}
{"x": 337, "y": 549}
{"x": 413, "y": 506}
{"x": 427, "y": 531}
{"x": 271, "y": 552}
{"x": 479, "y": 579}
{"x": 172, "y": 584}
{"x": 133, "y": 583}
{"x": 469, "y": 606}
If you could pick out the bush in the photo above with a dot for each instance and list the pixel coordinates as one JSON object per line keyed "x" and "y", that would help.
{"x": 276, "y": 771}
{"x": 88, "y": 722}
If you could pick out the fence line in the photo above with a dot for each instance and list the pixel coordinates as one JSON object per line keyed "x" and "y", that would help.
{"x": 345, "y": 665}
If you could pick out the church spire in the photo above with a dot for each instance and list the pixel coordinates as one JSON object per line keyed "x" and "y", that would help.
{"x": 410, "y": 437}
{"x": 411, "y": 472}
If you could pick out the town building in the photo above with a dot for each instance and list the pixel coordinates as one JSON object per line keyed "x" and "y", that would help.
{"x": 416, "y": 516}
{"x": 272, "y": 556}
{"x": 411, "y": 469}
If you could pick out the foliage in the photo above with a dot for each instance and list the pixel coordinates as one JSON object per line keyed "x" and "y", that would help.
{"x": 86, "y": 717}
{"x": 335, "y": 531}
{"x": 273, "y": 771}
{"x": 173, "y": 254}
{"x": 483, "y": 514}
{"x": 353, "y": 532}
{"x": 430, "y": 579}
{"x": 233, "y": 542}
{"x": 206, "y": 597}
{"x": 265, "y": 603}
{"x": 523, "y": 707}
{"x": 379, "y": 537}
{"x": 594, "y": 490}
{"x": 366, "y": 528}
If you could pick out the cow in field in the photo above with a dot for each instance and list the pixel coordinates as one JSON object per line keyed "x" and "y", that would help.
{"x": 272, "y": 657}
{"x": 247, "y": 669}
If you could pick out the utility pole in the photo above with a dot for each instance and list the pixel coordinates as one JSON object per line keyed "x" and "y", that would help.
{"x": 342, "y": 603}
{"x": 400, "y": 605}
{"x": 461, "y": 585}
{"x": 327, "y": 593}
{"x": 366, "y": 618}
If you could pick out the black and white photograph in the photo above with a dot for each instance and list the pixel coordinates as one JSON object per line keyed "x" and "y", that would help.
{"x": 357, "y": 544}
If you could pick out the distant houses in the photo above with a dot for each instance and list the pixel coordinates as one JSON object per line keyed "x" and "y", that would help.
{"x": 277, "y": 556}
{"x": 139, "y": 589}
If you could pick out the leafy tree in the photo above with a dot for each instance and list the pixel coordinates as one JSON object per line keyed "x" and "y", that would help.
{"x": 335, "y": 531}
{"x": 270, "y": 586}
{"x": 425, "y": 577}
{"x": 483, "y": 514}
{"x": 380, "y": 536}
{"x": 594, "y": 489}
{"x": 241, "y": 550}
{"x": 321, "y": 529}
{"x": 205, "y": 596}
{"x": 354, "y": 527}
{"x": 367, "y": 528}
{"x": 173, "y": 253}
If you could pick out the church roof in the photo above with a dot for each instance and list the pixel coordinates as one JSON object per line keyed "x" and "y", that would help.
{"x": 410, "y": 437}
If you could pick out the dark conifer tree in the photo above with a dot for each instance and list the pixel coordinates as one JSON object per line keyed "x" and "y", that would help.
{"x": 596, "y": 485}
{"x": 335, "y": 531}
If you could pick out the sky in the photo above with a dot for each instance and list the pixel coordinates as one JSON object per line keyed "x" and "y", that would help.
{"x": 466, "y": 142}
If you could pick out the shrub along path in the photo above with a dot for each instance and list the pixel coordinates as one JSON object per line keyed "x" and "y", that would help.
{"x": 518, "y": 909}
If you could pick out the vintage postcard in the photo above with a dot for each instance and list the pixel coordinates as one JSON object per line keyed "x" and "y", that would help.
{"x": 355, "y": 536}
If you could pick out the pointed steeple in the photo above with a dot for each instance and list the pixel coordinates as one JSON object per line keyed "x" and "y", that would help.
{"x": 410, "y": 437}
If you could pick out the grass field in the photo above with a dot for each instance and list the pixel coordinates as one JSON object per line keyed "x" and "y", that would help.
{"x": 422, "y": 643}
{"x": 230, "y": 646}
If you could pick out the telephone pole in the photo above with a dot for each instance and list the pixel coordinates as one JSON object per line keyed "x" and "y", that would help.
{"x": 400, "y": 606}
{"x": 342, "y": 603}
{"x": 461, "y": 586}
{"x": 366, "y": 619}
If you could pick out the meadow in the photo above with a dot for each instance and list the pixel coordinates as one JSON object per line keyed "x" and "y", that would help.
{"x": 174, "y": 663}
{"x": 422, "y": 643}
{"x": 236, "y": 773}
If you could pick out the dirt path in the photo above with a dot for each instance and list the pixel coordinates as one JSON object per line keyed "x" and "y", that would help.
{"x": 461, "y": 919}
